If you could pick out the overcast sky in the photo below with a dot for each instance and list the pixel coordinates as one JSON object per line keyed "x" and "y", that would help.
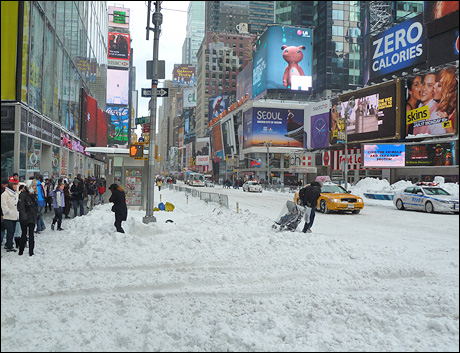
{"x": 172, "y": 37}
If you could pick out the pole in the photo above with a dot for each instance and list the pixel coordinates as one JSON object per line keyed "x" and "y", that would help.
{"x": 130, "y": 96}
{"x": 157, "y": 20}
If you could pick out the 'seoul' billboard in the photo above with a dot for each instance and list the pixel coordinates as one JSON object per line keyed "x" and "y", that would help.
{"x": 399, "y": 47}
{"x": 282, "y": 59}
{"x": 283, "y": 127}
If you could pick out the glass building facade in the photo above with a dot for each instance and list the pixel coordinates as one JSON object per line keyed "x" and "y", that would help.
{"x": 62, "y": 49}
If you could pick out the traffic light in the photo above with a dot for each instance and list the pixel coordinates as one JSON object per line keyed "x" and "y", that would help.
{"x": 136, "y": 151}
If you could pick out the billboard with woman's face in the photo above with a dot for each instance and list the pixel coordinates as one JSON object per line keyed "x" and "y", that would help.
{"x": 431, "y": 105}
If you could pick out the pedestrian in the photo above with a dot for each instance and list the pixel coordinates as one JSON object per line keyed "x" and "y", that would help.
{"x": 49, "y": 186}
{"x": 76, "y": 191}
{"x": 101, "y": 191}
{"x": 91, "y": 191}
{"x": 4, "y": 185}
{"x": 119, "y": 205}
{"x": 41, "y": 197}
{"x": 58, "y": 204}
{"x": 14, "y": 178}
{"x": 28, "y": 215}
{"x": 10, "y": 213}
{"x": 67, "y": 198}
{"x": 18, "y": 231}
{"x": 309, "y": 196}
{"x": 159, "y": 183}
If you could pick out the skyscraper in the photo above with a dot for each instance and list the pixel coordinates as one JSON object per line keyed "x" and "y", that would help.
{"x": 195, "y": 32}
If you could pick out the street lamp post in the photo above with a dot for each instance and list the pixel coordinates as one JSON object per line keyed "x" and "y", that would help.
{"x": 351, "y": 104}
{"x": 268, "y": 160}
{"x": 157, "y": 20}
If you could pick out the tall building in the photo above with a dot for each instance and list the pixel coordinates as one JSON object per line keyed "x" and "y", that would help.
{"x": 222, "y": 56}
{"x": 297, "y": 13}
{"x": 195, "y": 32}
{"x": 230, "y": 16}
{"x": 54, "y": 77}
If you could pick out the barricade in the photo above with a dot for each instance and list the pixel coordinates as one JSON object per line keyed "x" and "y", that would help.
{"x": 220, "y": 199}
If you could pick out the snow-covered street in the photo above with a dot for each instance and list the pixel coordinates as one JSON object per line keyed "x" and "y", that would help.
{"x": 218, "y": 280}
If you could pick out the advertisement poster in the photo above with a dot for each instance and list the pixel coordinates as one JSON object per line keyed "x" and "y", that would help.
{"x": 431, "y": 106}
{"x": 217, "y": 141}
{"x": 189, "y": 97}
{"x": 371, "y": 114}
{"x": 117, "y": 86}
{"x": 283, "y": 127}
{"x": 118, "y": 17}
{"x": 401, "y": 46}
{"x": 384, "y": 156}
{"x": 319, "y": 125}
{"x": 133, "y": 181}
{"x": 189, "y": 126}
{"x": 118, "y": 46}
{"x": 217, "y": 105}
{"x": 89, "y": 121}
{"x": 202, "y": 151}
{"x": 181, "y": 137}
{"x": 119, "y": 118}
{"x": 184, "y": 75}
{"x": 282, "y": 60}
{"x": 244, "y": 81}
{"x": 439, "y": 155}
{"x": 228, "y": 136}
{"x": 434, "y": 10}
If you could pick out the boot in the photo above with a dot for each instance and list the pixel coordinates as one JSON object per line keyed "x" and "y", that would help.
{"x": 16, "y": 241}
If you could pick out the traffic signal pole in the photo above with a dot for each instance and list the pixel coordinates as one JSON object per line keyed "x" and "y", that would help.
{"x": 157, "y": 20}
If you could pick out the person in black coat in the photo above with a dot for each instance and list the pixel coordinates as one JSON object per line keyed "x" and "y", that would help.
{"x": 28, "y": 215}
{"x": 119, "y": 205}
{"x": 310, "y": 201}
{"x": 76, "y": 191}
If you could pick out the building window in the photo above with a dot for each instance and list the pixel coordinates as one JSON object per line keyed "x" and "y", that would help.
{"x": 337, "y": 30}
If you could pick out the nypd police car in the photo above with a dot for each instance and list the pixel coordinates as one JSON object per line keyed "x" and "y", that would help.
{"x": 427, "y": 197}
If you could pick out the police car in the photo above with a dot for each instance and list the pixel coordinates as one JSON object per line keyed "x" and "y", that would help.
{"x": 427, "y": 197}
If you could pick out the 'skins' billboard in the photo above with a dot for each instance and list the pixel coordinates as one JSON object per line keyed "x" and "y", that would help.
{"x": 399, "y": 47}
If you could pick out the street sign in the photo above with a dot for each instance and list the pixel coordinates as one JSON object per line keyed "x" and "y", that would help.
{"x": 161, "y": 92}
{"x": 146, "y": 127}
{"x": 142, "y": 120}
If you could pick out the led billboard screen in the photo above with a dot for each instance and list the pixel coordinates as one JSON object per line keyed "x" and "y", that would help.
{"x": 118, "y": 17}
{"x": 401, "y": 46}
{"x": 282, "y": 59}
{"x": 318, "y": 125}
{"x": 119, "y": 118}
{"x": 228, "y": 135}
{"x": 384, "y": 156}
{"x": 118, "y": 46}
{"x": 371, "y": 115}
{"x": 217, "y": 105}
{"x": 283, "y": 127}
{"x": 431, "y": 106}
{"x": 117, "y": 86}
{"x": 184, "y": 75}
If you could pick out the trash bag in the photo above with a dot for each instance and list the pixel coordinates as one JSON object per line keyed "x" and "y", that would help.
{"x": 169, "y": 207}
{"x": 156, "y": 209}
{"x": 161, "y": 206}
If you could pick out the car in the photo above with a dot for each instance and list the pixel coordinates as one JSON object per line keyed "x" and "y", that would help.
{"x": 429, "y": 197}
{"x": 252, "y": 186}
{"x": 208, "y": 181}
{"x": 335, "y": 198}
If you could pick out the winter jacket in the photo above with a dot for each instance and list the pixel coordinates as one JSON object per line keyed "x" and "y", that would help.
{"x": 312, "y": 193}
{"x": 58, "y": 194}
{"x": 77, "y": 191}
{"x": 10, "y": 205}
{"x": 101, "y": 190}
{"x": 41, "y": 194}
{"x": 49, "y": 186}
{"x": 119, "y": 204}
{"x": 91, "y": 189}
{"x": 28, "y": 207}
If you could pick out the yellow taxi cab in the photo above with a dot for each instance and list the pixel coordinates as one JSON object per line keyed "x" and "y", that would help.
{"x": 335, "y": 198}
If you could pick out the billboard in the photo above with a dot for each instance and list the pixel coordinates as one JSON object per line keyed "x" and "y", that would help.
{"x": 371, "y": 114}
{"x": 189, "y": 125}
{"x": 119, "y": 118}
{"x": 202, "y": 151}
{"x": 217, "y": 105}
{"x": 283, "y": 127}
{"x": 398, "y": 155}
{"x": 228, "y": 135}
{"x": 117, "y": 86}
{"x": 118, "y": 17}
{"x": 401, "y": 46}
{"x": 318, "y": 125}
{"x": 181, "y": 137}
{"x": 217, "y": 142}
{"x": 189, "y": 97}
{"x": 184, "y": 75}
{"x": 384, "y": 156}
{"x": 244, "y": 81}
{"x": 118, "y": 46}
{"x": 443, "y": 48}
{"x": 89, "y": 121}
{"x": 434, "y": 10}
{"x": 282, "y": 60}
{"x": 431, "y": 105}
